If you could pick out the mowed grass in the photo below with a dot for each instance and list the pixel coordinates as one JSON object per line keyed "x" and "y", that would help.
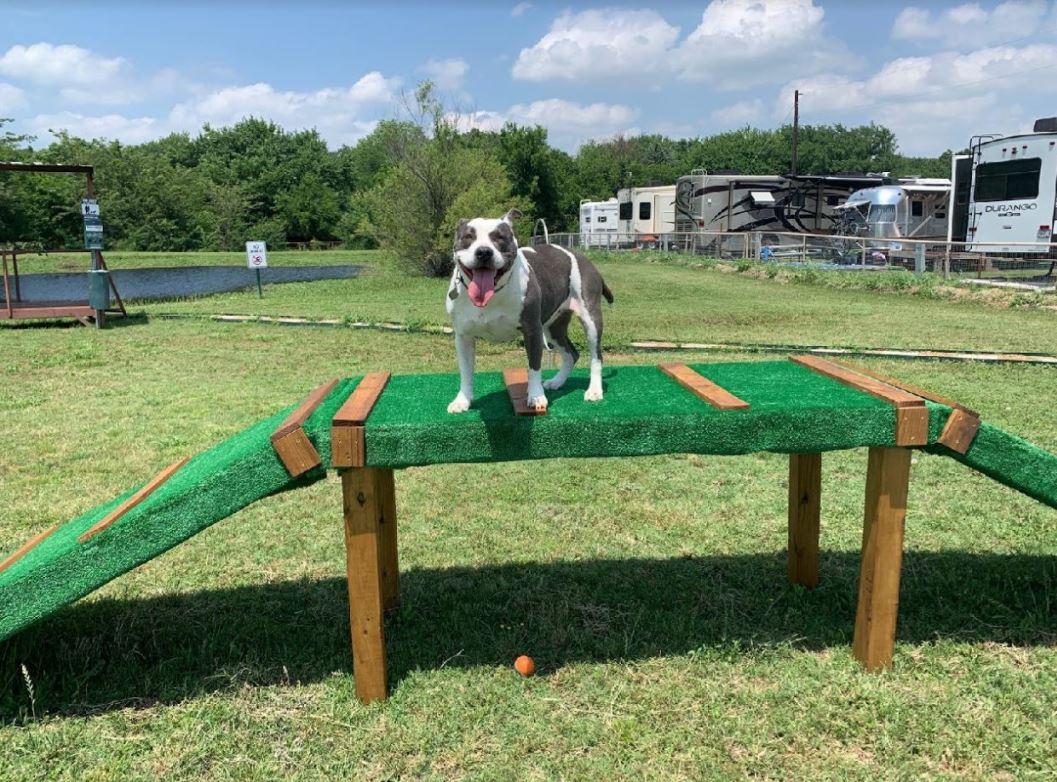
{"x": 651, "y": 592}
{"x": 655, "y": 300}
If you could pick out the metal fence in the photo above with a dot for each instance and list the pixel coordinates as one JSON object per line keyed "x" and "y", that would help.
{"x": 960, "y": 259}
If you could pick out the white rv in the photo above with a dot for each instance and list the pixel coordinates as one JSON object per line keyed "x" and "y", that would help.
{"x": 598, "y": 223}
{"x": 912, "y": 208}
{"x": 1013, "y": 191}
{"x": 739, "y": 202}
{"x": 646, "y": 213}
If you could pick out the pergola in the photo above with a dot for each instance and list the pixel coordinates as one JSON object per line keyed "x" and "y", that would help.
{"x": 14, "y": 307}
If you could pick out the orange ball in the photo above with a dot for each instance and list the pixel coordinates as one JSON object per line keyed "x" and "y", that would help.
{"x": 525, "y": 665}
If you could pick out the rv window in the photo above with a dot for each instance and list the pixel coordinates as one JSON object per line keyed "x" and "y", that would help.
{"x": 587, "y": 219}
{"x": 625, "y": 210}
{"x": 602, "y": 219}
{"x": 917, "y": 208}
{"x": 882, "y": 213}
{"x": 644, "y": 210}
{"x": 1009, "y": 180}
{"x": 832, "y": 200}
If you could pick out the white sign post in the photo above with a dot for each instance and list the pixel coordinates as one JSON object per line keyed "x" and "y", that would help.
{"x": 257, "y": 259}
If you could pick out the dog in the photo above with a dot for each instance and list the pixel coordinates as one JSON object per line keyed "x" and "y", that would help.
{"x": 499, "y": 290}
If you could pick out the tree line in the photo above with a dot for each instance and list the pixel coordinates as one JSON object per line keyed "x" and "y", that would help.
{"x": 400, "y": 186}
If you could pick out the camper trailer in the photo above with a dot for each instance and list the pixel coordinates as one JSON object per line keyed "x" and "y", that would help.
{"x": 598, "y": 223}
{"x": 726, "y": 201}
{"x": 1012, "y": 186}
{"x": 645, "y": 213}
{"x": 911, "y": 208}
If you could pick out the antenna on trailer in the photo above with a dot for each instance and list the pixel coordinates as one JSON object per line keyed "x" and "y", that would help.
{"x": 796, "y": 125}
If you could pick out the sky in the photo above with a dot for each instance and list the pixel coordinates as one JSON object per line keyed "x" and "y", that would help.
{"x": 936, "y": 73}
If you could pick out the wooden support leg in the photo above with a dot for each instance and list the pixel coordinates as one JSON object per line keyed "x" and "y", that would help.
{"x": 805, "y": 489}
{"x": 389, "y": 557}
{"x": 887, "y": 484}
{"x": 364, "y": 507}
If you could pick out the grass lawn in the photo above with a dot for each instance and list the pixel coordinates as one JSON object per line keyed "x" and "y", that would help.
{"x": 651, "y": 592}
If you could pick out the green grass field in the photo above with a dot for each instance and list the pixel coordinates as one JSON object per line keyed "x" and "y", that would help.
{"x": 651, "y": 592}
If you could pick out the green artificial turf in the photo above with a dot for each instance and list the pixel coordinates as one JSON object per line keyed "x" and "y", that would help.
{"x": 645, "y": 412}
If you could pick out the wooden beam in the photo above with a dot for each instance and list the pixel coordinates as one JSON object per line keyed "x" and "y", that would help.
{"x": 887, "y": 486}
{"x": 148, "y": 489}
{"x": 27, "y": 547}
{"x": 46, "y": 168}
{"x": 805, "y": 491}
{"x": 516, "y": 381}
{"x": 363, "y": 509}
{"x": 291, "y": 443}
{"x": 906, "y": 387}
{"x": 715, "y": 395}
{"x": 912, "y": 416}
{"x": 347, "y": 436}
{"x": 389, "y": 555}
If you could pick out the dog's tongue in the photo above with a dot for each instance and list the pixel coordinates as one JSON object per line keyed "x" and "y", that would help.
{"x": 482, "y": 286}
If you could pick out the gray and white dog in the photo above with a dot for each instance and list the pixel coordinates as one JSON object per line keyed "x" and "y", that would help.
{"x": 499, "y": 290}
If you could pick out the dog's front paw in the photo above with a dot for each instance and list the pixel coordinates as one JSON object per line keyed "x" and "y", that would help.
{"x": 538, "y": 403}
{"x": 459, "y": 404}
{"x": 554, "y": 383}
{"x": 593, "y": 395}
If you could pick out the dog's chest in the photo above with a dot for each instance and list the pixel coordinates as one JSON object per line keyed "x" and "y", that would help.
{"x": 500, "y": 321}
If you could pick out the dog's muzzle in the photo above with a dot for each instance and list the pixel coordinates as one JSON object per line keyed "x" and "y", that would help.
{"x": 481, "y": 283}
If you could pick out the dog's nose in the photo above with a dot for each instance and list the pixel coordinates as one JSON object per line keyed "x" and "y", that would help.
{"x": 483, "y": 254}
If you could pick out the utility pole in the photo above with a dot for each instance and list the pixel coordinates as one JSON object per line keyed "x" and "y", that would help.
{"x": 796, "y": 124}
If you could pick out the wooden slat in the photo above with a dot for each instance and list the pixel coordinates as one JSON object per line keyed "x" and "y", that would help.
{"x": 715, "y": 395}
{"x": 27, "y": 547}
{"x": 805, "y": 490}
{"x": 907, "y": 387}
{"x": 517, "y": 387}
{"x": 912, "y": 416}
{"x": 887, "y": 484}
{"x": 960, "y": 431}
{"x": 297, "y": 418}
{"x": 347, "y": 435}
{"x": 134, "y": 500}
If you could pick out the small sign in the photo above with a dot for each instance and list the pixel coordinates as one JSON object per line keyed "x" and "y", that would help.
{"x": 89, "y": 208}
{"x": 256, "y": 255}
{"x": 93, "y": 233}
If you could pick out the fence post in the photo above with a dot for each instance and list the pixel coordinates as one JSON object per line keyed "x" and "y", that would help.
{"x": 864, "y": 253}
{"x": 919, "y": 258}
{"x": 803, "y": 249}
{"x": 947, "y": 262}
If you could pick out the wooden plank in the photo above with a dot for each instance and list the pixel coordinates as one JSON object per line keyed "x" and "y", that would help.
{"x": 389, "y": 555}
{"x": 715, "y": 395}
{"x": 805, "y": 491}
{"x": 887, "y": 486}
{"x": 516, "y": 381}
{"x": 296, "y": 452}
{"x": 960, "y": 431}
{"x": 347, "y": 434}
{"x": 906, "y": 387}
{"x": 297, "y": 418}
{"x": 363, "y": 510}
{"x": 912, "y": 415}
{"x": 27, "y": 547}
{"x": 134, "y": 500}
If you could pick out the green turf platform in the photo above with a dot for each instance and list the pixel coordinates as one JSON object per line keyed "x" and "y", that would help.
{"x": 792, "y": 409}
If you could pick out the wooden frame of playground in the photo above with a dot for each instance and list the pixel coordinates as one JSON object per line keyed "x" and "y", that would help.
{"x": 369, "y": 505}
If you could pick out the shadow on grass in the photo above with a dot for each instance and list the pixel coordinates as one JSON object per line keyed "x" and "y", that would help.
{"x": 116, "y": 653}
{"x": 112, "y": 322}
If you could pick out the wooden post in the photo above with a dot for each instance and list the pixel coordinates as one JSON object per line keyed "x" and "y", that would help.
{"x": 805, "y": 490}
{"x": 364, "y": 507}
{"x": 887, "y": 484}
{"x": 389, "y": 557}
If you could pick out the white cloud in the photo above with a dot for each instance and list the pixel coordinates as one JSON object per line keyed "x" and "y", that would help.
{"x": 446, "y": 74}
{"x": 598, "y": 44}
{"x": 971, "y": 25}
{"x": 520, "y": 8}
{"x": 62, "y": 65}
{"x": 568, "y": 123}
{"x": 11, "y": 97}
{"x": 129, "y": 130}
{"x": 932, "y": 102}
{"x": 743, "y": 112}
{"x": 741, "y": 44}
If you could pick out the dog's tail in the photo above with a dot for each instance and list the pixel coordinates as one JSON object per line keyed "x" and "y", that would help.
{"x": 606, "y": 292}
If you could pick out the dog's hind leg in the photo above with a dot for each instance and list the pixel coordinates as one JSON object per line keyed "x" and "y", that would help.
{"x": 559, "y": 335}
{"x": 591, "y": 317}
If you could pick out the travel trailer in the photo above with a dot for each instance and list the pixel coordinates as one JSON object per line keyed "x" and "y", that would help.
{"x": 598, "y": 223}
{"x": 726, "y": 201}
{"x": 1012, "y": 192}
{"x": 645, "y": 213}
{"x": 910, "y": 208}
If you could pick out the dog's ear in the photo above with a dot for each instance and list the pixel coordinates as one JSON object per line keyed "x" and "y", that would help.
{"x": 511, "y": 216}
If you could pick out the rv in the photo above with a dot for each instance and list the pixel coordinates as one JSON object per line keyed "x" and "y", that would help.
{"x": 598, "y": 223}
{"x": 728, "y": 201}
{"x": 1012, "y": 192}
{"x": 912, "y": 208}
{"x": 646, "y": 213}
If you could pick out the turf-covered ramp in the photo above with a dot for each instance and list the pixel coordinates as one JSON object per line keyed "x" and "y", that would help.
{"x": 790, "y": 409}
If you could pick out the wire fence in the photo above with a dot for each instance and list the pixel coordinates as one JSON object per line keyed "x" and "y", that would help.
{"x": 950, "y": 259}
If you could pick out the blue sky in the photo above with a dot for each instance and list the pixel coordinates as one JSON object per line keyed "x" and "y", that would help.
{"x": 936, "y": 73}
